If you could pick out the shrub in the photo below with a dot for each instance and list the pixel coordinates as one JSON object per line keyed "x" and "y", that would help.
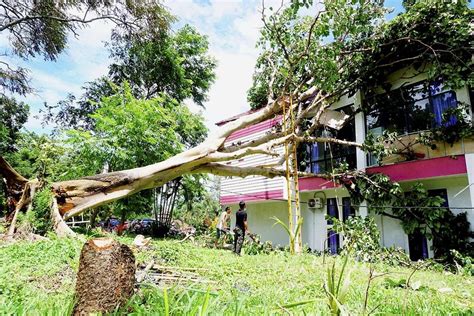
{"x": 361, "y": 235}
{"x": 464, "y": 264}
{"x": 256, "y": 247}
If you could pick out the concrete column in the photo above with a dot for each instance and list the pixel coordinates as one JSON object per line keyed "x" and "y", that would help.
{"x": 470, "y": 180}
{"x": 360, "y": 132}
{"x": 360, "y": 138}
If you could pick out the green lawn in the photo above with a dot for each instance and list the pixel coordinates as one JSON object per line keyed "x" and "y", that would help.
{"x": 38, "y": 278}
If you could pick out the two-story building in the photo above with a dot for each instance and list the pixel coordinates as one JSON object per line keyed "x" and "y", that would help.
{"x": 411, "y": 105}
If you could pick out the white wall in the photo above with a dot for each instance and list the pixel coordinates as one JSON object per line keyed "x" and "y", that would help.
{"x": 467, "y": 196}
{"x": 391, "y": 232}
{"x": 259, "y": 222}
{"x": 459, "y": 191}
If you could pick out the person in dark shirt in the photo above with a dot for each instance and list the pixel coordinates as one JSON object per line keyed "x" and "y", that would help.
{"x": 240, "y": 227}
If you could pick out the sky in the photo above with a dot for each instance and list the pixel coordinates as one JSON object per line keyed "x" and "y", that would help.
{"x": 231, "y": 25}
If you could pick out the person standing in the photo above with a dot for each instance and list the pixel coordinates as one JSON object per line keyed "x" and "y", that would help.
{"x": 240, "y": 227}
{"x": 221, "y": 227}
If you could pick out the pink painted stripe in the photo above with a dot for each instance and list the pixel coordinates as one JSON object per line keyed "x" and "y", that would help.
{"x": 266, "y": 125}
{"x": 257, "y": 196}
{"x": 422, "y": 169}
{"x": 315, "y": 183}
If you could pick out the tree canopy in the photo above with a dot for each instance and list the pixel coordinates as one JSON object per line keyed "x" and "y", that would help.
{"x": 176, "y": 64}
{"x": 13, "y": 115}
{"x": 347, "y": 48}
{"x": 42, "y": 28}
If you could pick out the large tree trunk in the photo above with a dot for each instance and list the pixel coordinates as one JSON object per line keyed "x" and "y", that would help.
{"x": 76, "y": 196}
{"x": 106, "y": 276}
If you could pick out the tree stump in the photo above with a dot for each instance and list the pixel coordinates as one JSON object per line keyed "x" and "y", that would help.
{"x": 106, "y": 276}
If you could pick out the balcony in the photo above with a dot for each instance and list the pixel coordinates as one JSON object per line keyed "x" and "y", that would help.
{"x": 415, "y": 151}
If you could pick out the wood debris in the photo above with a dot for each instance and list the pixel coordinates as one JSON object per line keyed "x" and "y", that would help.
{"x": 165, "y": 275}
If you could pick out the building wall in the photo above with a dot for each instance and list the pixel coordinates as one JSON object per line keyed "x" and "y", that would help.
{"x": 260, "y": 222}
{"x": 314, "y": 232}
{"x": 252, "y": 188}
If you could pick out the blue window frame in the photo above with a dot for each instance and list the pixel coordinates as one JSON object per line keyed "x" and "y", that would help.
{"x": 347, "y": 209}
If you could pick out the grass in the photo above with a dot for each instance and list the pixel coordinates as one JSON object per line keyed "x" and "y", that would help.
{"x": 38, "y": 279}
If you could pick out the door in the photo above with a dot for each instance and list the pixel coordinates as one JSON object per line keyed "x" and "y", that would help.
{"x": 333, "y": 238}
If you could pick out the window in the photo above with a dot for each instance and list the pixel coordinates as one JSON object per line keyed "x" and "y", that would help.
{"x": 322, "y": 157}
{"x": 347, "y": 209}
{"x": 410, "y": 109}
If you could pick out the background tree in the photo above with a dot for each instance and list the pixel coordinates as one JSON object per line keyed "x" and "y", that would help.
{"x": 42, "y": 28}
{"x": 177, "y": 64}
{"x": 142, "y": 42}
{"x": 13, "y": 115}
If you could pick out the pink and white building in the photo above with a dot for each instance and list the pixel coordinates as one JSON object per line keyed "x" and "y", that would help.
{"x": 410, "y": 106}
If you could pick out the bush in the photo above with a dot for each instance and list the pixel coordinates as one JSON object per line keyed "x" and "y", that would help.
{"x": 41, "y": 219}
{"x": 361, "y": 236}
{"x": 464, "y": 264}
{"x": 394, "y": 256}
{"x": 256, "y": 247}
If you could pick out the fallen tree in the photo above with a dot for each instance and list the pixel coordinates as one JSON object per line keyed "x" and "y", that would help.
{"x": 76, "y": 196}
{"x": 300, "y": 76}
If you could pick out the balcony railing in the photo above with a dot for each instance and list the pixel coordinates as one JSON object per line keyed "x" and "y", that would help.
{"x": 412, "y": 150}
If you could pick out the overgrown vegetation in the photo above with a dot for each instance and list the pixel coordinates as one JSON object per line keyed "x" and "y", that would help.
{"x": 38, "y": 278}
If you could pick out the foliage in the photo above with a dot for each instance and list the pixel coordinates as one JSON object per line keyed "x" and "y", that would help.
{"x": 41, "y": 28}
{"x": 39, "y": 156}
{"x": 464, "y": 264}
{"x": 176, "y": 65}
{"x": 197, "y": 205}
{"x": 37, "y": 220}
{"x": 13, "y": 115}
{"x": 450, "y": 132}
{"x": 173, "y": 301}
{"x": 361, "y": 237}
{"x": 381, "y": 146}
{"x": 132, "y": 133}
{"x": 42, "y": 211}
{"x": 431, "y": 37}
{"x": 416, "y": 208}
{"x": 127, "y": 130}
{"x": 337, "y": 286}
{"x": 296, "y": 47}
{"x": 358, "y": 49}
{"x": 73, "y": 112}
{"x": 254, "y": 246}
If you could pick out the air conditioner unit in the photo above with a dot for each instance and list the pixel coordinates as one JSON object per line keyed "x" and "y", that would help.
{"x": 316, "y": 203}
